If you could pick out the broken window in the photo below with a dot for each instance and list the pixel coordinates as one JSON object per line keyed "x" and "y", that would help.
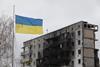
{"x": 85, "y": 25}
{"x": 79, "y": 33}
{"x": 79, "y": 51}
{"x": 61, "y": 45}
{"x": 39, "y": 45}
{"x": 79, "y": 42}
{"x": 73, "y": 44}
{"x": 34, "y": 55}
{"x": 79, "y": 61}
{"x": 34, "y": 46}
{"x": 34, "y": 62}
{"x": 72, "y": 53}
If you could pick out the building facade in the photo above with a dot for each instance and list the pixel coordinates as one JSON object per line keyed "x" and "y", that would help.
{"x": 71, "y": 46}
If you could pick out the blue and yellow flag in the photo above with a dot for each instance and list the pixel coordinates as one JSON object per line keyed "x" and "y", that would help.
{"x": 28, "y": 25}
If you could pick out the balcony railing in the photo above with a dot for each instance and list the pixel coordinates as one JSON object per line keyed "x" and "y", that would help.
{"x": 26, "y": 60}
{"x": 26, "y": 53}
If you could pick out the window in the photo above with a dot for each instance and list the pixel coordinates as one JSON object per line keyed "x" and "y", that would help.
{"x": 88, "y": 26}
{"x": 24, "y": 56}
{"x": 39, "y": 45}
{"x": 39, "y": 55}
{"x": 34, "y": 62}
{"x": 30, "y": 55}
{"x": 79, "y": 51}
{"x": 72, "y": 62}
{"x": 34, "y": 46}
{"x": 72, "y": 34}
{"x": 78, "y": 26}
{"x": 85, "y": 25}
{"x": 79, "y": 42}
{"x": 30, "y": 47}
{"x": 39, "y": 40}
{"x": 72, "y": 29}
{"x": 40, "y": 61}
{"x": 78, "y": 33}
{"x": 34, "y": 55}
{"x": 72, "y": 53}
{"x": 72, "y": 43}
{"x": 34, "y": 41}
{"x": 65, "y": 35}
{"x": 61, "y": 45}
{"x": 79, "y": 61}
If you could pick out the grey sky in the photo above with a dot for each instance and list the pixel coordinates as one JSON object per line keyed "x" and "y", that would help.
{"x": 55, "y": 13}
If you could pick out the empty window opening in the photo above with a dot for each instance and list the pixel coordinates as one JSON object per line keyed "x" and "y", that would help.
{"x": 85, "y": 25}
{"x": 79, "y": 51}
{"x": 61, "y": 45}
{"x": 72, "y": 53}
{"x": 79, "y": 61}
{"x": 79, "y": 33}
{"x": 73, "y": 44}
{"x": 39, "y": 45}
{"x": 79, "y": 42}
{"x": 88, "y": 26}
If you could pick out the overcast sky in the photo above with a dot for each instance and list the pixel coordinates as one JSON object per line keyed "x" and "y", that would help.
{"x": 55, "y": 13}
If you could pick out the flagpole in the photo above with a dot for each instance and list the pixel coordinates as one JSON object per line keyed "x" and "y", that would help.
{"x": 13, "y": 36}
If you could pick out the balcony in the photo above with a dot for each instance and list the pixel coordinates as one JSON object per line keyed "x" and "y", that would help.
{"x": 26, "y": 60}
{"x": 25, "y": 53}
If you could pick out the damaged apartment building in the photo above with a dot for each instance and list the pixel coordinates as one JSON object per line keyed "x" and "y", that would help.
{"x": 71, "y": 46}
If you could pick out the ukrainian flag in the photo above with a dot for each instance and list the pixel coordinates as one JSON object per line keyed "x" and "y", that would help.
{"x": 28, "y": 25}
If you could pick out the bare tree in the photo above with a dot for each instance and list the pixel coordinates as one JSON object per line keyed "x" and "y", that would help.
{"x": 6, "y": 41}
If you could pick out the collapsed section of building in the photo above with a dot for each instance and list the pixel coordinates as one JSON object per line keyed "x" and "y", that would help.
{"x": 71, "y": 46}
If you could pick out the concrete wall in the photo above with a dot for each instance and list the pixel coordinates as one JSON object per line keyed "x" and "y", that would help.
{"x": 89, "y": 62}
{"x": 89, "y": 46}
{"x": 89, "y": 43}
{"x": 89, "y": 53}
{"x": 88, "y": 33}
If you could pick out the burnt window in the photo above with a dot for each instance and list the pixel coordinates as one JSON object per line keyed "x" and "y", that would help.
{"x": 79, "y": 42}
{"x": 85, "y": 25}
{"x": 39, "y": 45}
{"x": 34, "y": 55}
{"x": 30, "y": 46}
{"x": 39, "y": 40}
{"x": 34, "y": 46}
{"x": 72, "y": 29}
{"x": 79, "y": 61}
{"x": 39, "y": 55}
{"x": 72, "y": 34}
{"x": 88, "y": 26}
{"x": 34, "y": 62}
{"x": 65, "y": 35}
{"x": 61, "y": 45}
{"x": 72, "y": 62}
{"x": 79, "y": 33}
{"x": 78, "y": 26}
{"x": 23, "y": 56}
{"x": 73, "y": 53}
{"x": 30, "y": 55}
{"x": 34, "y": 41}
{"x": 79, "y": 51}
{"x": 73, "y": 44}
{"x": 92, "y": 26}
